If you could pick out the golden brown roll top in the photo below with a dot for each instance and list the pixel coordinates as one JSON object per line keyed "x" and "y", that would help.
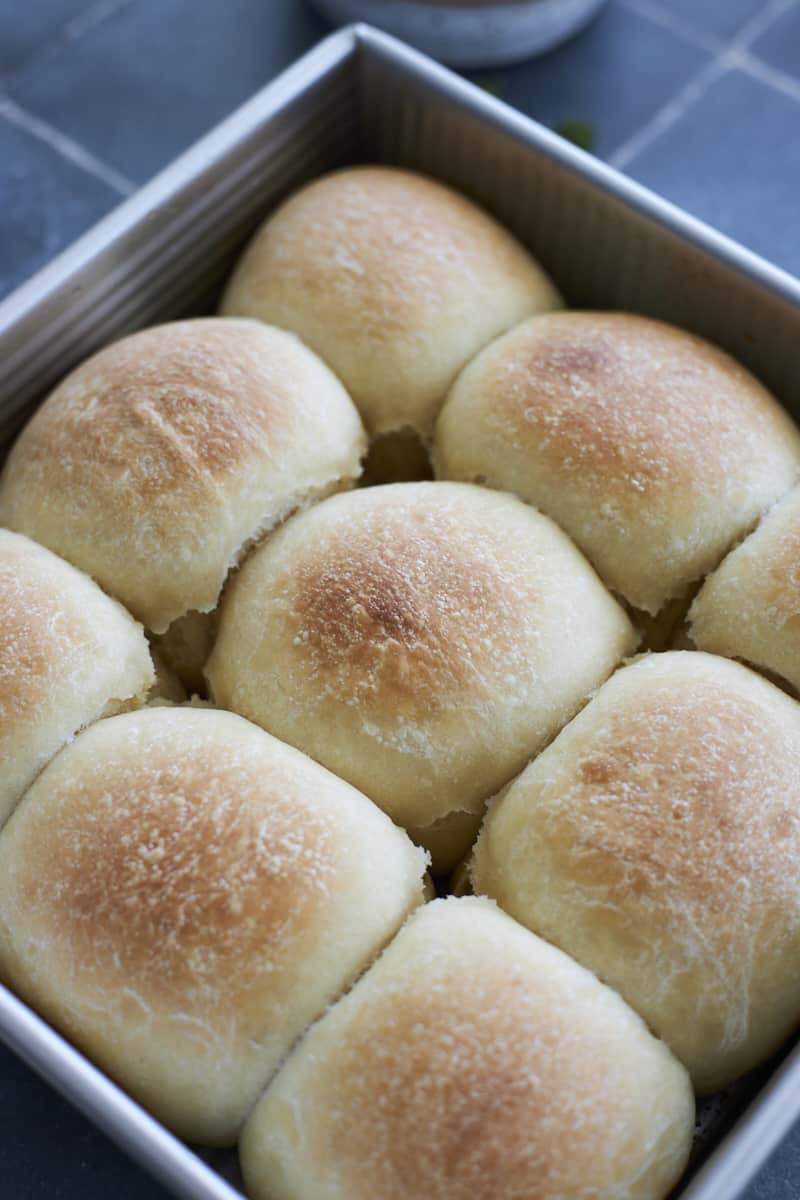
{"x": 182, "y": 895}
{"x": 156, "y": 461}
{"x": 420, "y": 640}
{"x": 750, "y": 607}
{"x": 68, "y": 655}
{"x": 394, "y": 280}
{"x": 652, "y": 449}
{"x": 657, "y": 841}
{"x": 472, "y": 1062}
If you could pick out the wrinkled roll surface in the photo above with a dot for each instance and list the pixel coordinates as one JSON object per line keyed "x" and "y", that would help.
{"x": 473, "y": 1062}
{"x": 394, "y": 280}
{"x": 68, "y": 655}
{"x": 422, "y": 640}
{"x": 182, "y": 895}
{"x": 657, "y": 841}
{"x": 651, "y": 448}
{"x": 155, "y": 462}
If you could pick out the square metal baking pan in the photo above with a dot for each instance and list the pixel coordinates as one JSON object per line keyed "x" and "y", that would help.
{"x": 361, "y": 96}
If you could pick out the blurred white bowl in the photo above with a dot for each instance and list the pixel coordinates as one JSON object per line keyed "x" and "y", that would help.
{"x": 470, "y": 33}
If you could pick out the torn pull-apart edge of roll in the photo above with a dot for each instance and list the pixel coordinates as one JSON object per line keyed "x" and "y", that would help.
{"x": 158, "y": 461}
{"x": 749, "y": 608}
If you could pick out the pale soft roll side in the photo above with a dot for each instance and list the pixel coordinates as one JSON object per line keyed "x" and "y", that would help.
{"x": 750, "y": 607}
{"x": 154, "y": 463}
{"x": 651, "y": 448}
{"x": 422, "y": 640}
{"x": 473, "y": 1062}
{"x": 394, "y": 280}
{"x": 657, "y": 841}
{"x": 68, "y": 655}
{"x": 182, "y": 895}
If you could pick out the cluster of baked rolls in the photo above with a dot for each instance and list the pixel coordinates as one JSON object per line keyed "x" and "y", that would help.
{"x": 245, "y": 703}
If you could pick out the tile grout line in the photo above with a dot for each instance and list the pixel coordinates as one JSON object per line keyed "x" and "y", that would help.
{"x": 663, "y": 17}
{"x": 735, "y": 54}
{"x": 760, "y": 23}
{"x": 667, "y": 115}
{"x": 93, "y": 15}
{"x": 657, "y": 11}
{"x": 65, "y": 146}
{"x": 72, "y": 31}
{"x": 766, "y": 73}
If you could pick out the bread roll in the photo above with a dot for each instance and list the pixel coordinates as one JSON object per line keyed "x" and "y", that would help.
{"x": 422, "y": 640}
{"x": 651, "y": 448}
{"x": 750, "y": 607}
{"x": 448, "y": 839}
{"x": 182, "y": 895}
{"x": 68, "y": 655}
{"x": 394, "y": 280}
{"x": 472, "y": 1062}
{"x": 154, "y": 463}
{"x": 657, "y": 841}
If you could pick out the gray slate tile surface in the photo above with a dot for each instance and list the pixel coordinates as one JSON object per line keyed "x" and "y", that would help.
{"x": 723, "y": 18}
{"x": 615, "y": 76}
{"x": 779, "y": 45}
{"x": 27, "y": 28}
{"x": 753, "y": 194}
{"x": 144, "y": 84}
{"x": 131, "y": 83}
{"x": 46, "y": 201}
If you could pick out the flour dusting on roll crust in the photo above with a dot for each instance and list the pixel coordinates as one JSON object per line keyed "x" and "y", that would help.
{"x": 657, "y": 841}
{"x": 420, "y": 640}
{"x": 68, "y": 655}
{"x": 473, "y": 1062}
{"x": 651, "y": 448}
{"x": 182, "y": 895}
{"x": 394, "y": 280}
{"x": 155, "y": 463}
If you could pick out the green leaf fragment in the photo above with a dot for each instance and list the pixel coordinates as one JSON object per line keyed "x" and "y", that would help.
{"x": 490, "y": 85}
{"x": 581, "y": 133}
